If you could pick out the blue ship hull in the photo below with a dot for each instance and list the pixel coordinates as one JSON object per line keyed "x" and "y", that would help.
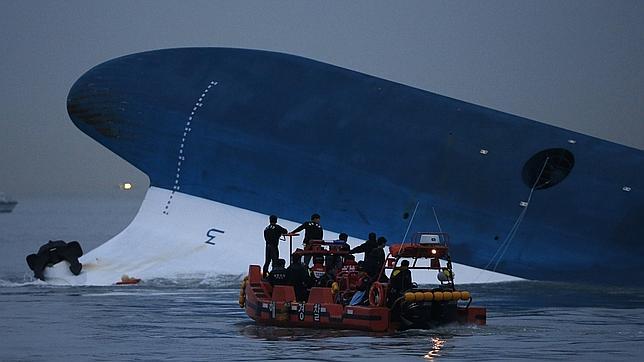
{"x": 281, "y": 134}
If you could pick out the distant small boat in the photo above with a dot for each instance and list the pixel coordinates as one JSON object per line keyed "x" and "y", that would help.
{"x": 6, "y": 204}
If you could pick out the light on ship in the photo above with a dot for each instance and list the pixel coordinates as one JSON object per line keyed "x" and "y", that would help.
{"x": 126, "y": 186}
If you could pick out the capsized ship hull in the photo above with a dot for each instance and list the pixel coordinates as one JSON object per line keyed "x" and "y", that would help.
{"x": 279, "y": 134}
{"x": 202, "y": 240}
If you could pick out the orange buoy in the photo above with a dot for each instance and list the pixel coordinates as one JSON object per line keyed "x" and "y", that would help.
{"x": 438, "y": 296}
{"x": 127, "y": 280}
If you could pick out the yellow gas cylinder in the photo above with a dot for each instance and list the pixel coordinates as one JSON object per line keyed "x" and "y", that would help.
{"x": 429, "y": 296}
{"x": 335, "y": 287}
{"x": 420, "y": 296}
{"x": 410, "y": 297}
{"x": 456, "y": 295}
{"x": 438, "y": 296}
{"x": 465, "y": 295}
{"x": 447, "y": 295}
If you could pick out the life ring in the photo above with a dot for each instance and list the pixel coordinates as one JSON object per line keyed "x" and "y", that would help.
{"x": 242, "y": 292}
{"x": 377, "y": 295}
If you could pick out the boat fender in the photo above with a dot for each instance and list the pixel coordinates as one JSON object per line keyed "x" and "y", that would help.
{"x": 242, "y": 292}
{"x": 465, "y": 295}
{"x": 428, "y": 296}
{"x": 447, "y": 296}
{"x": 377, "y": 295}
{"x": 456, "y": 295}
{"x": 410, "y": 297}
{"x": 420, "y": 296}
{"x": 438, "y": 296}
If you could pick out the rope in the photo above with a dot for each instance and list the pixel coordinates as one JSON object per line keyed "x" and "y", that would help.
{"x": 505, "y": 245}
{"x": 437, "y": 222}
{"x": 410, "y": 221}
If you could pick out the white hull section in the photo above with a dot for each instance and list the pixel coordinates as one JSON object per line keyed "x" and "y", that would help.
{"x": 171, "y": 243}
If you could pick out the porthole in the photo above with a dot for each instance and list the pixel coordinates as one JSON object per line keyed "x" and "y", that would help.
{"x": 558, "y": 164}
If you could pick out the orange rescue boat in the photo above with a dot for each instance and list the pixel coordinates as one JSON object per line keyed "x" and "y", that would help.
{"x": 387, "y": 310}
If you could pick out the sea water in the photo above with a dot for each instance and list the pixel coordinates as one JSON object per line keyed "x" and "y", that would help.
{"x": 198, "y": 319}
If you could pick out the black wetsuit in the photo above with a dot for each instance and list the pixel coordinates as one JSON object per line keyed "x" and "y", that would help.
{"x": 54, "y": 252}
{"x": 299, "y": 277}
{"x": 272, "y": 235}
{"x": 312, "y": 231}
{"x": 365, "y": 248}
{"x": 399, "y": 282}
{"x": 278, "y": 276}
{"x": 374, "y": 262}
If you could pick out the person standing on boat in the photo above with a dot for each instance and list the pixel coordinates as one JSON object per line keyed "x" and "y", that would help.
{"x": 299, "y": 277}
{"x": 376, "y": 259}
{"x": 366, "y": 247}
{"x": 272, "y": 234}
{"x": 334, "y": 262}
{"x": 312, "y": 231}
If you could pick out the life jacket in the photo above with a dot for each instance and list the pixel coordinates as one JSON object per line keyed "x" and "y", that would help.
{"x": 349, "y": 266}
{"x": 278, "y": 276}
{"x": 318, "y": 271}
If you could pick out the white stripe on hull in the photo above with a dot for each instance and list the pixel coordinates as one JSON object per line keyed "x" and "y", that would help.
{"x": 173, "y": 245}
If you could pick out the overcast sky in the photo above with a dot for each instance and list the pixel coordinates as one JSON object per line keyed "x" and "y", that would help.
{"x": 574, "y": 64}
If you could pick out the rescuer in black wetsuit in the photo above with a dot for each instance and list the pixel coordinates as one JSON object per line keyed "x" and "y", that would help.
{"x": 334, "y": 262}
{"x": 299, "y": 277}
{"x": 400, "y": 280}
{"x": 312, "y": 231}
{"x": 272, "y": 235}
{"x": 54, "y": 252}
{"x": 366, "y": 247}
{"x": 376, "y": 259}
{"x": 278, "y": 275}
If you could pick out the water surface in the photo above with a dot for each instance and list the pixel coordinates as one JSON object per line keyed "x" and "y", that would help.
{"x": 199, "y": 320}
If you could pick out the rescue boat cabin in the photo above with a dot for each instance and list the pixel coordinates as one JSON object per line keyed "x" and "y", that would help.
{"x": 392, "y": 301}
